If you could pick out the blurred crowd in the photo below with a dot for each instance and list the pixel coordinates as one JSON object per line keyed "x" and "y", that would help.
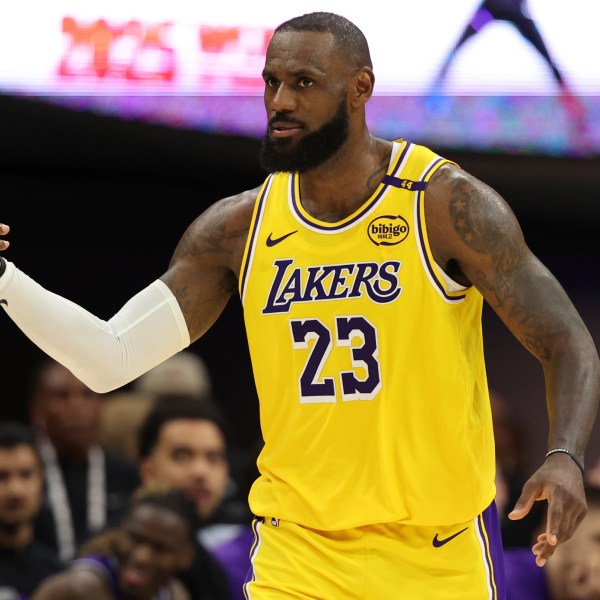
{"x": 142, "y": 493}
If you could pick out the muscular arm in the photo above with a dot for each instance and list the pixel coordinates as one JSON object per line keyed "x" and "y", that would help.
{"x": 159, "y": 321}
{"x": 205, "y": 266}
{"x": 477, "y": 240}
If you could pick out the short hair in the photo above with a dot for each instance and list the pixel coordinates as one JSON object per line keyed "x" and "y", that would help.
{"x": 174, "y": 500}
{"x": 349, "y": 39}
{"x": 14, "y": 433}
{"x": 174, "y": 407}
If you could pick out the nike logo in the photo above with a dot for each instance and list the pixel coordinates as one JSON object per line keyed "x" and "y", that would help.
{"x": 274, "y": 241}
{"x": 439, "y": 543}
{"x": 3, "y": 301}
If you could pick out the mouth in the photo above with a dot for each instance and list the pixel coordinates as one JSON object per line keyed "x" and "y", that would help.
{"x": 283, "y": 129}
{"x": 199, "y": 495}
{"x": 134, "y": 578}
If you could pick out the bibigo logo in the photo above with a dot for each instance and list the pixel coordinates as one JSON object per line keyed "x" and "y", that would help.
{"x": 388, "y": 230}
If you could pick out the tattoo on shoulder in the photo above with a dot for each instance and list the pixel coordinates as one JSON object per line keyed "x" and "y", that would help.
{"x": 217, "y": 231}
{"x": 483, "y": 226}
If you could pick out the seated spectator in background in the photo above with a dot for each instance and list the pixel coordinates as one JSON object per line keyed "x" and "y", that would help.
{"x": 87, "y": 488}
{"x": 571, "y": 573}
{"x": 125, "y": 409}
{"x": 122, "y": 414}
{"x": 511, "y": 461}
{"x": 184, "y": 373}
{"x": 592, "y": 475}
{"x": 24, "y": 561}
{"x": 138, "y": 560}
{"x": 183, "y": 444}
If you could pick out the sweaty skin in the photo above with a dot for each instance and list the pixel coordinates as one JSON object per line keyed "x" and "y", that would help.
{"x": 473, "y": 234}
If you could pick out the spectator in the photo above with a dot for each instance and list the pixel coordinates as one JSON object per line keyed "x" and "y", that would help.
{"x": 592, "y": 476}
{"x": 122, "y": 414}
{"x": 87, "y": 488}
{"x": 572, "y": 573}
{"x": 183, "y": 444}
{"x": 125, "y": 409}
{"x": 24, "y": 561}
{"x": 183, "y": 373}
{"x": 138, "y": 560}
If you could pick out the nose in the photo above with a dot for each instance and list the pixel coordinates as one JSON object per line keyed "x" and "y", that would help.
{"x": 284, "y": 99}
{"x": 200, "y": 467}
{"x": 17, "y": 486}
{"x": 142, "y": 553}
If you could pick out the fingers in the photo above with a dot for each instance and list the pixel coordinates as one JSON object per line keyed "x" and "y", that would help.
{"x": 4, "y": 229}
{"x": 523, "y": 505}
{"x": 544, "y": 548}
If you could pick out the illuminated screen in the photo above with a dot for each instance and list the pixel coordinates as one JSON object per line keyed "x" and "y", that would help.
{"x": 525, "y": 77}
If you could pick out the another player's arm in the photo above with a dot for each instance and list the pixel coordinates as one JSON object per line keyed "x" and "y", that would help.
{"x": 477, "y": 239}
{"x": 205, "y": 266}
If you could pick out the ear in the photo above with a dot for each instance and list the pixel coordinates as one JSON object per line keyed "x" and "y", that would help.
{"x": 147, "y": 471}
{"x": 364, "y": 83}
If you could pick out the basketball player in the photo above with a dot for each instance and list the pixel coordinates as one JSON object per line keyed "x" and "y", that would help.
{"x": 362, "y": 265}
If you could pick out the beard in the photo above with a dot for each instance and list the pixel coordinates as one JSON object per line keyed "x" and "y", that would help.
{"x": 310, "y": 151}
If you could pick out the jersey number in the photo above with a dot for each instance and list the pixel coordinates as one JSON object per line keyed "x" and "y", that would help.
{"x": 316, "y": 389}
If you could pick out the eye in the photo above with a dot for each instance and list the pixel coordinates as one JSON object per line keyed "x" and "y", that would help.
{"x": 305, "y": 82}
{"x": 271, "y": 82}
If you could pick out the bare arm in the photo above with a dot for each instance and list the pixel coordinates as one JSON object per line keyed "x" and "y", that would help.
{"x": 477, "y": 240}
{"x": 205, "y": 266}
{"x": 156, "y": 323}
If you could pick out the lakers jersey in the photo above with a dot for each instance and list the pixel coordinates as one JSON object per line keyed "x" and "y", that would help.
{"x": 368, "y": 362}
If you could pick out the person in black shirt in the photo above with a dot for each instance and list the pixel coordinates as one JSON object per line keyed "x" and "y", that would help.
{"x": 24, "y": 561}
{"x": 87, "y": 488}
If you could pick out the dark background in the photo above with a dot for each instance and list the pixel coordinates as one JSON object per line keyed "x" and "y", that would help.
{"x": 96, "y": 206}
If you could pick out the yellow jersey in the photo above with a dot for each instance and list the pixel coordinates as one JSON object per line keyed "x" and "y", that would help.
{"x": 368, "y": 361}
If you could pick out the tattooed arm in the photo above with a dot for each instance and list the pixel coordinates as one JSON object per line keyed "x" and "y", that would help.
{"x": 174, "y": 310}
{"x": 205, "y": 265}
{"x": 476, "y": 239}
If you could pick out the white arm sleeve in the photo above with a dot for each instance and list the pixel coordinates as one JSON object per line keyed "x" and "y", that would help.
{"x": 103, "y": 354}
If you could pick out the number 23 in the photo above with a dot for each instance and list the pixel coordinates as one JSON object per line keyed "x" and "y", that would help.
{"x": 315, "y": 389}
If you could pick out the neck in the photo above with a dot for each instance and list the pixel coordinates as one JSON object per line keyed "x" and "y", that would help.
{"x": 76, "y": 455}
{"x": 337, "y": 188}
{"x": 17, "y": 536}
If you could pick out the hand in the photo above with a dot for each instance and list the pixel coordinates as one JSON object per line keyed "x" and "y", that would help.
{"x": 4, "y": 229}
{"x": 558, "y": 481}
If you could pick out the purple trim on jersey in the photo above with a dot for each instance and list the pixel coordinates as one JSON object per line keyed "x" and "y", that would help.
{"x": 256, "y": 523}
{"x": 335, "y": 226}
{"x": 415, "y": 186}
{"x": 254, "y": 233}
{"x": 401, "y": 157}
{"x": 421, "y": 240}
{"x": 489, "y": 529}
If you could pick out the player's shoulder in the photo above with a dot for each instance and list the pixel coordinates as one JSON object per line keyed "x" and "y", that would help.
{"x": 451, "y": 183}
{"x": 237, "y": 208}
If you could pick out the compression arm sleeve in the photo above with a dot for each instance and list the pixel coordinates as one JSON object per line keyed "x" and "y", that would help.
{"x": 104, "y": 355}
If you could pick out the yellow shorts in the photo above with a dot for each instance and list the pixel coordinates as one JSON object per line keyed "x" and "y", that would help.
{"x": 388, "y": 561}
